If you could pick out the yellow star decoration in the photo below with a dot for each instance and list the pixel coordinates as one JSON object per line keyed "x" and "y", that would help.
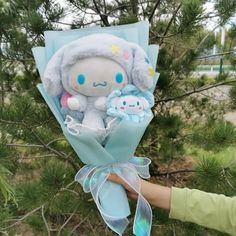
{"x": 151, "y": 71}
{"x": 115, "y": 49}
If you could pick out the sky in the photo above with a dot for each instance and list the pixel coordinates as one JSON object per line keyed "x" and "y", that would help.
{"x": 210, "y": 24}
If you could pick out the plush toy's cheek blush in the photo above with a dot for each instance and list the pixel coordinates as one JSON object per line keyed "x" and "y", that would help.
{"x": 122, "y": 108}
{"x": 76, "y": 87}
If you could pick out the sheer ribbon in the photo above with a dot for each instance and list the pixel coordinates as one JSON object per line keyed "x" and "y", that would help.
{"x": 92, "y": 178}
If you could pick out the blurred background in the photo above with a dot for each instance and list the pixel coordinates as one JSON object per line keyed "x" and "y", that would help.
{"x": 191, "y": 140}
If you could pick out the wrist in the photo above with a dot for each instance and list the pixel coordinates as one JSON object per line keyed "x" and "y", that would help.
{"x": 157, "y": 195}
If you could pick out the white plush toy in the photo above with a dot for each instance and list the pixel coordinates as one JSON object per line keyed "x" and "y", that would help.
{"x": 130, "y": 104}
{"x": 90, "y": 68}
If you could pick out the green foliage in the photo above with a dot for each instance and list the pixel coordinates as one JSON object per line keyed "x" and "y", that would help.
{"x": 232, "y": 94}
{"x": 6, "y": 190}
{"x": 163, "y": 137}
{"x": 30, "y": 195}
{"x": 127, "y": 20}
{"x": 191, "y": 13}
{"x": 55, "y": 175}
{"x": 36, "y": 222}
{"x": 216, "y": 175}
{"x": 215, "y": 171}
{"x": 226, "y": 9}
{"x": 5, "y": 213}
{"x": 43, "y": 163}
{"x": 222, "y": 77}
{"x": 215, "y": 135}
{"x": 209, "y": 171}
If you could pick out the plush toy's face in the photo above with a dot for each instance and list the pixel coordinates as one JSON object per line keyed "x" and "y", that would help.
{"x": 131, "y": 105}
{"x": 97, "y": 76}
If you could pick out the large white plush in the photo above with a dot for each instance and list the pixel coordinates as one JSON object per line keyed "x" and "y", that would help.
{"x": 90, "y": 68}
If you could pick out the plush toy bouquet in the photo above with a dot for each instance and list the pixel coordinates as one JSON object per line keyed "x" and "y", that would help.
{"x": 98, "y": 82}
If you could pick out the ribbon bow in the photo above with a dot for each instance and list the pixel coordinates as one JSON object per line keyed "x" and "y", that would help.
{"x": 92, "y": 178}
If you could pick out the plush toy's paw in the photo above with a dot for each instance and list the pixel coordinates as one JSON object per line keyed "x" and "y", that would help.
{"x": 100, "y": 103}
{"x": 73, "y": 103}
{"x": 75, "y": 114}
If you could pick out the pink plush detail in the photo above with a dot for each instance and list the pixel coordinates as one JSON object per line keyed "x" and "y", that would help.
{"x": 64, "y": 99}
{"x": 126, "y": 55}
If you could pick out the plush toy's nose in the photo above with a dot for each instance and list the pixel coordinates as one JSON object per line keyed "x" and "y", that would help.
{"x": 131, "y": 105}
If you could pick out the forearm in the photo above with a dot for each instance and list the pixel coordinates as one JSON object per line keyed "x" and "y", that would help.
{"x": 206, "y": 209}
{"x": 157, "y": 195}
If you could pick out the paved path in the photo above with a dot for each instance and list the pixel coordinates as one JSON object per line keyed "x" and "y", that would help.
{"x": 231, "y": 117}
{"x": 221, "y": 94}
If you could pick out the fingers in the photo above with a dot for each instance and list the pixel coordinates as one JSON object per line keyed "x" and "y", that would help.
{"x": 115, "y": 178}
{"x": 133, "y": 195}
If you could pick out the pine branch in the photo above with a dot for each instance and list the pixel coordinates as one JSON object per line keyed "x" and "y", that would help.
{"x": 153, "y": 10}
{"x": 170, "y": 23}
{"x": 4, "y": 233}
{"x": 176, "y": 172}
{"x": 24, "y": 145}
{"x": 69, "y": 190}
{"x": 206, "y": 37}
{"x": 62, "y": 155}
{"x": 118, "y": 8}
{"x": 23, "y": 218}
{"x": 45, "y": 221}
{"x": 162, "y": 36}
{"x": 41, "y": 207}
{"x": 80, "y": 223}
{"x": 103, "y": 17}
{"x": 195, "y": 91}
{"x": 91, "y": 227}
{"x": 199, "y": 45}
{"x": 55, "y": 140}
{"x": 66, "y": 222}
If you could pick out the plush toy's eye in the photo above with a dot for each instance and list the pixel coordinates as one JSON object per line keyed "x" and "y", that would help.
{"x": 80, "y": 79}
{"x": 137, "y": 103}
{"x": 124, "y": 103}
{"x": 119, "y": 77}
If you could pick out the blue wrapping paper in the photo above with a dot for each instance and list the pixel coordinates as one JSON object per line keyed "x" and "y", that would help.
{"x": 119, "y": 147}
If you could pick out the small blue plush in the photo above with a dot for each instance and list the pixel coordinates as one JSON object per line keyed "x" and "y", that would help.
{"x": 130, "y": 104}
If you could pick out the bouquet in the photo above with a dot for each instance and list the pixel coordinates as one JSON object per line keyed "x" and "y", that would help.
{"x": 98, "y": 83}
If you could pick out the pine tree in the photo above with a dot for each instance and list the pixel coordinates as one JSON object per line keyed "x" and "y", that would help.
{"x": 188, "y": 140}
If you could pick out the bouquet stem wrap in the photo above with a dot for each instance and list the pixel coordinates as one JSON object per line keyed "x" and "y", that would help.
{"x": 116, "y": 156}
{"x": 94, "y": 179}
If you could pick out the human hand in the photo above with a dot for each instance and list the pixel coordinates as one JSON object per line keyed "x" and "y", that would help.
{"x": 155, "y": 194}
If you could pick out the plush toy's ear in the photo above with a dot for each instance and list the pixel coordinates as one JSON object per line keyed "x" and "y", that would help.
{"x": 52, "y": 75}
{"x": 142, "y": 71}
{"x": 146, "y": 104}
